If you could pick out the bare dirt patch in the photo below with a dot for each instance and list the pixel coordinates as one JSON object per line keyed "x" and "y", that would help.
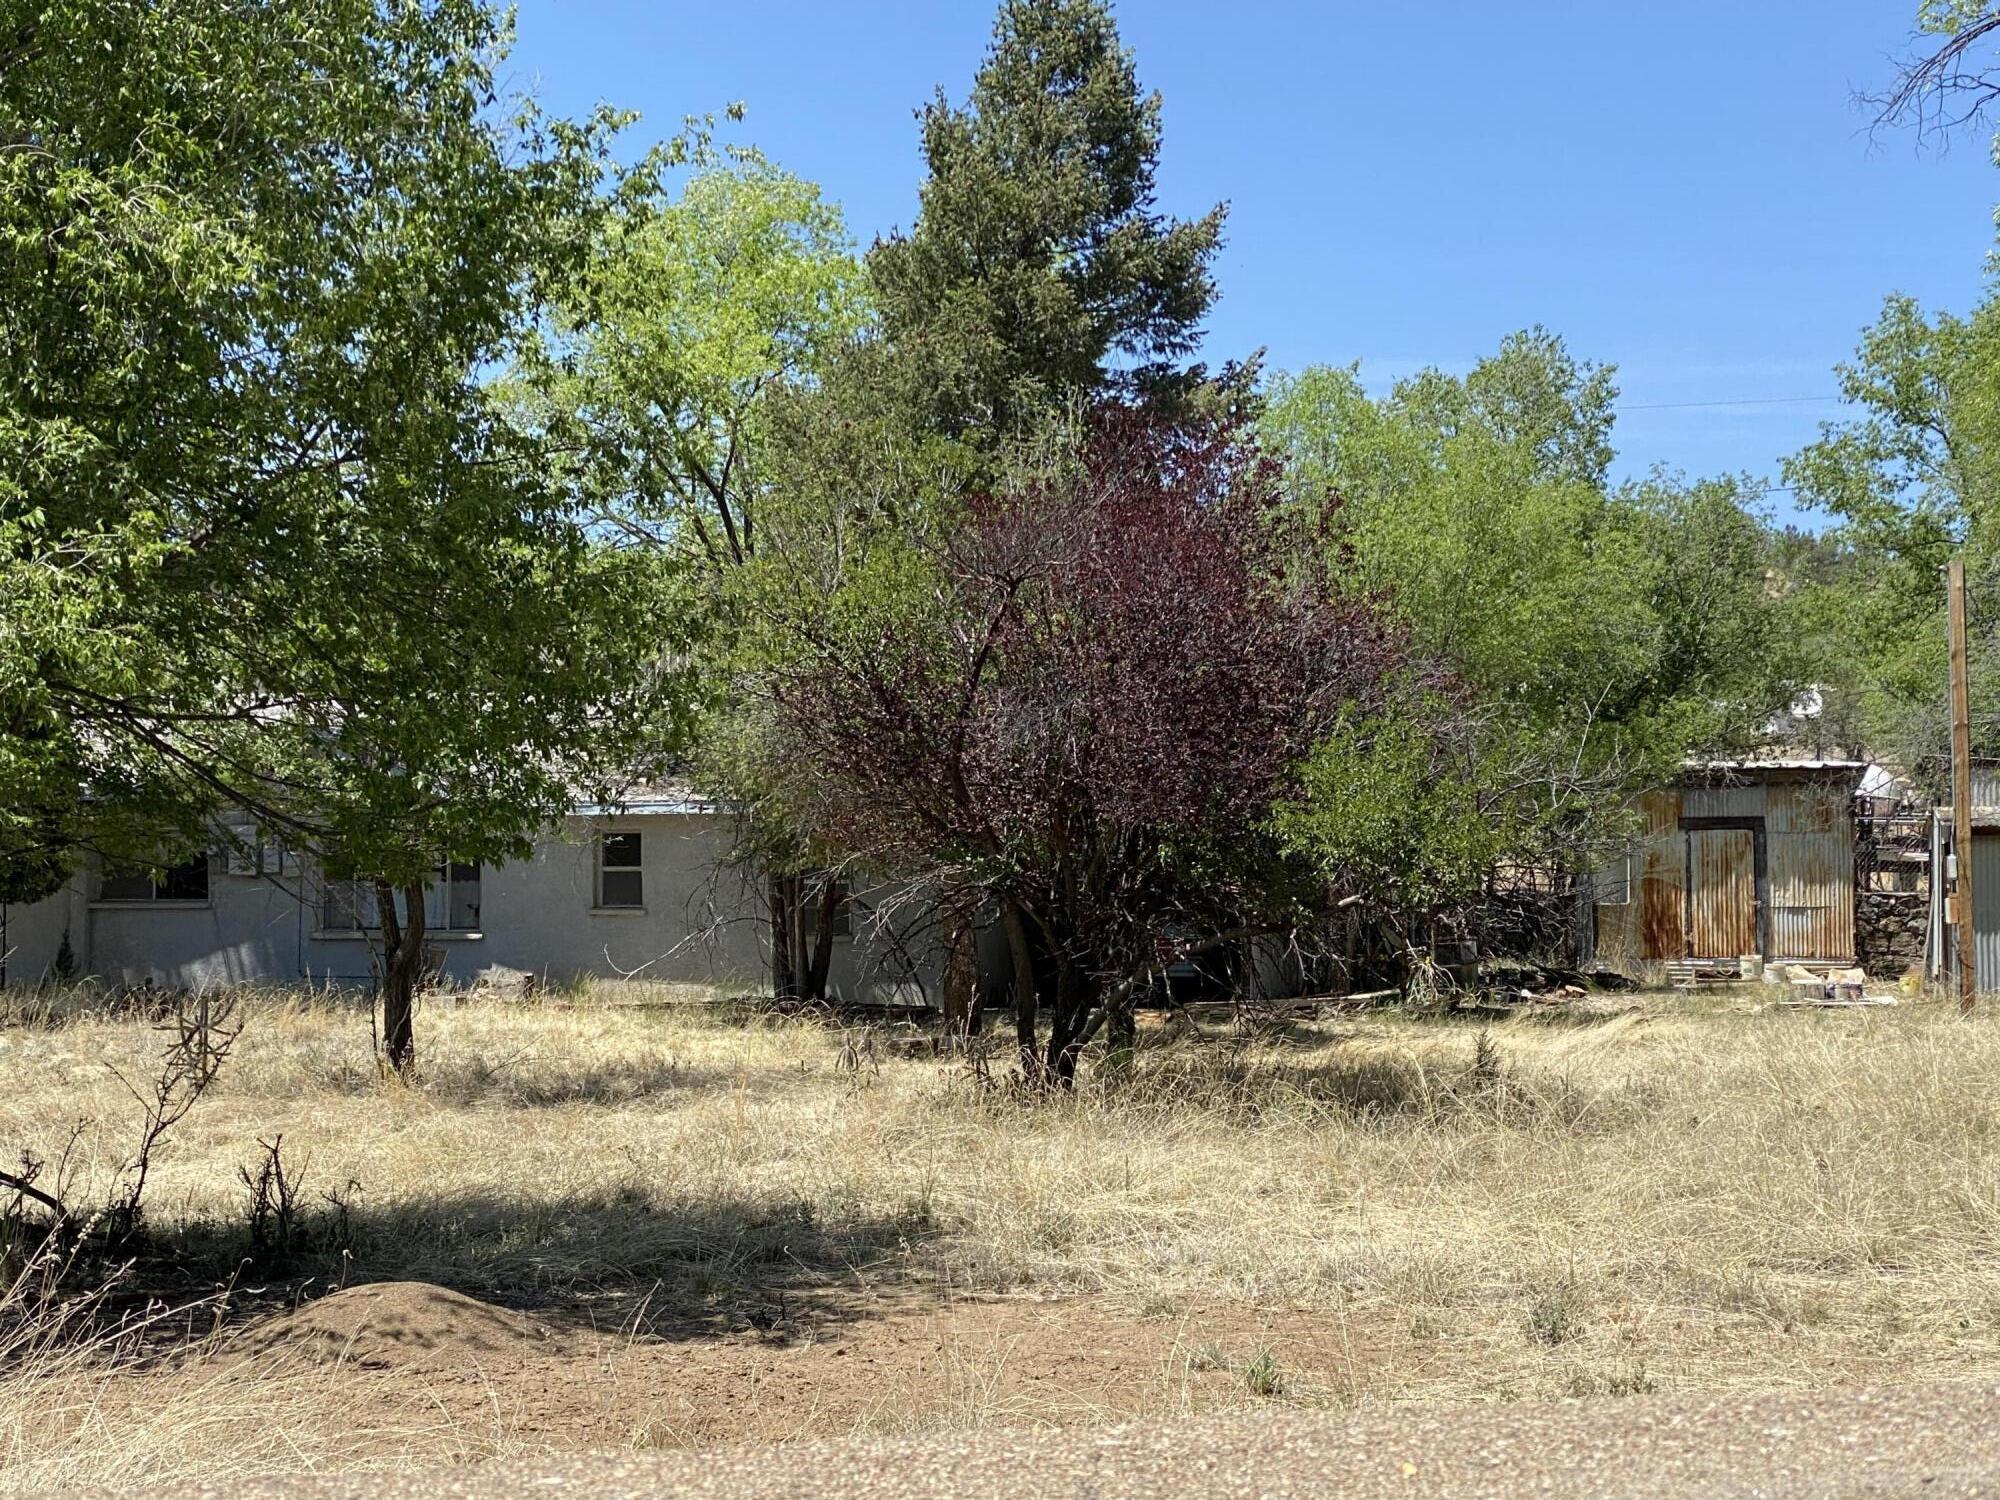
{"x": 893, "y": 1364}
{"x": 402, "y": 1325}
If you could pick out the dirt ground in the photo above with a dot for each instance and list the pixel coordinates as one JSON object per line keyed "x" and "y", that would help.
{"x": 394, "y": 1352}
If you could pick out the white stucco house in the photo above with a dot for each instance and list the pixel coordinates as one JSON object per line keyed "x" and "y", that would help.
{"x": 646, "y": 890}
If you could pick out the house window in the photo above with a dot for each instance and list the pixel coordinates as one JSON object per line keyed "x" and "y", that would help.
{"x": 451, "y": 901}
{"x": 186, "y": 881}
{"x": 250, "y": 853}
{"x": 620, "y": 881}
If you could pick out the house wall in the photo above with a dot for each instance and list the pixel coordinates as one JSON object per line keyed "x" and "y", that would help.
{"x": 249, "y": 930}
{"x": 34, "y": 934}
{"x": 893, "y": 953}
{"x": 703, "y": 922}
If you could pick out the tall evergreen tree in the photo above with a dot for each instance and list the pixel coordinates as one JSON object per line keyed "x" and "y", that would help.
{"x": 1039, "y": 266}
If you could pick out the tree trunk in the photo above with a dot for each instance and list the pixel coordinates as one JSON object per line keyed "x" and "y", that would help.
{"x": 784, "y": 967}
{"x": 961, "y": 968}
{"x": 1024, "y": 990}
{"x": 821, "y": 963}
{"x": 1076, "y": 997}
{"x": 402, "y": 969}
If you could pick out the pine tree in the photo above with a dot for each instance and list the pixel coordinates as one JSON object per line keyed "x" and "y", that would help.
{"x": 1039, "y": 267}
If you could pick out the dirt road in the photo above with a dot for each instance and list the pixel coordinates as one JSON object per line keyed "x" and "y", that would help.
{"x": 1934, "y": 1442}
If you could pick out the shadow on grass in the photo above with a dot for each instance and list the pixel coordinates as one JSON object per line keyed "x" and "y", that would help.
{"x": 641, "y": 1263}
{"x": 462, "y": 1080}
{"x": 1361, "y": 1080}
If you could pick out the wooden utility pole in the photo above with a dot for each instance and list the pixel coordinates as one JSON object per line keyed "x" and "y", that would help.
{"x": 1961, "y": 790}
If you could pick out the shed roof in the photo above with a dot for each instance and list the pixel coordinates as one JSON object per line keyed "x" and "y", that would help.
{"x": 1778, "y": 763}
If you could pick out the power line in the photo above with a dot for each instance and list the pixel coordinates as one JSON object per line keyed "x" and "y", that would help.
{"x": 1741, "y": 401}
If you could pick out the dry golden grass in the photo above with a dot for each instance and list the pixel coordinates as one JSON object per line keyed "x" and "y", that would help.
{"x": 1715, "y": 1198}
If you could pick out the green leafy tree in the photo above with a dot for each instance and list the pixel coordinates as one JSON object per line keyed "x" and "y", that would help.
{"x": 1910, "y": 480}
{"x": 1038, "y": 276}
{"x": 271, "y": 536}
{"x": 697, "y": 312}
{"x": 677, "y": 380}
{"x": 1601, "y": 634}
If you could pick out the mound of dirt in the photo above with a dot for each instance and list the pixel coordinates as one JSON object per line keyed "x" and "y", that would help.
{"x": 400, "y": 1325}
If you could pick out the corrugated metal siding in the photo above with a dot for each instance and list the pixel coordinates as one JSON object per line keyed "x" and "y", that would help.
{"x": 1809, "y": 864}
{"x": 1625, "y": 930}
{"x": 1724, "y": 904}
{"x": 1723, "y": 802}
{"x": 1809, "y": 834}
{"x": 1661, "y": 908}
{"x": 1985, "y": 788}
{"x": 1986, "y": 908}
{"x": 1938, "y": 947}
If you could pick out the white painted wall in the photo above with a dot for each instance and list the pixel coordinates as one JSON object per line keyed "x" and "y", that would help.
{"x": 702, "y": 922}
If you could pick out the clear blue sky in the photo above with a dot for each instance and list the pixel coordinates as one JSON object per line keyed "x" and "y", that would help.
{"x": 1686, "y": 189}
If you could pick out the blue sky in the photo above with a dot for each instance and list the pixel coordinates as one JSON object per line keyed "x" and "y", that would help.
{"x": 1686, "y": 190}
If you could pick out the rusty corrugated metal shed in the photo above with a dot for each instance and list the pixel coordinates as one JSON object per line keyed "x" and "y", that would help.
{"x": 1739, "y": 859}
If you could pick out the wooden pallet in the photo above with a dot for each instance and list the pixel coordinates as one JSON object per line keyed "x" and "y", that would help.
{"x": 1689, "y": 973}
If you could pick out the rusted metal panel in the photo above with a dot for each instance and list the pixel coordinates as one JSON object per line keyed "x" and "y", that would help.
{"x": 1722, "y": 801}
{"x": 1985, "y": 788}
{"x": 1810, "y": 831}
{"x": 1812, "y": 895}
{"x": 1722, "y": 892}
{"x": 1810, "y": 807}
{"x": 1662, "y": 894}
{"x": 1782, "y": 885}
{"x": 1648, "y": 923}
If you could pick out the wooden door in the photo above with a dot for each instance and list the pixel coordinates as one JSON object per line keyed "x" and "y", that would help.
{"x": 1722, "y": 892}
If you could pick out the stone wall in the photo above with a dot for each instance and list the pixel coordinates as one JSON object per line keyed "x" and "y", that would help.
{"x": 1889, "y": 930}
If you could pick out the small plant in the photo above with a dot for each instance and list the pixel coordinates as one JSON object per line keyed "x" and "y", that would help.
{"x": 201, "y": 1030}
{"x": 277, "y": 1231}
{"x": 1633, "y": 1380}
{"x": 1208, "y": 1356}
{"x": 1556, "y": 1316}
{"x": 1262, "y": 1377}
{"x": 860, "y": 1056}
{"x": 199, "y": 1033}
{"x": 1485, "y": 1071}
{"x": 338, "y": 1235}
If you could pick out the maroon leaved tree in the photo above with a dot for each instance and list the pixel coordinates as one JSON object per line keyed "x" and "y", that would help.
{"x": 1083, "y": 721}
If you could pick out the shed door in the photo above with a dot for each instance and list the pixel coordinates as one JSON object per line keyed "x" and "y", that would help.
{"x": 1722, "y": 892}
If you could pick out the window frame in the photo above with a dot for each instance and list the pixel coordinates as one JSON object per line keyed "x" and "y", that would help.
{"x": 360, "y": 891}
{"x": 599, "y": 900}
{"x": 157, "y": 885}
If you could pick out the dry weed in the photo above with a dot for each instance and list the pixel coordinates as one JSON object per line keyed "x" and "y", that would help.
{"x": 1727, "y": 1200}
